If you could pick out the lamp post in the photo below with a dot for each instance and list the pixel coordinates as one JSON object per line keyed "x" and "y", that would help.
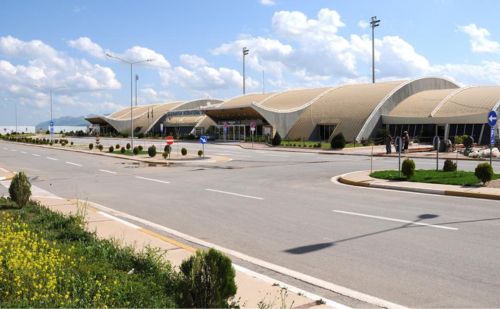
{"x": 131, "y": 63}
{"x": 15, "y": 111}
{"x": 51, "y": 125}
{"x": 374, "y": 23}
{"x": 244, "y": 52}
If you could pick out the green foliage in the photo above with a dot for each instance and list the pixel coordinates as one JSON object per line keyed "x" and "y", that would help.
{"x": 91, "y": 146}
{"x": 484, "y": 172}
{"x": 140, "y": 135}
{"x": 167, "y": 148}
{"x": 71, "y": 143}
{"x": 128, "y": 146}
{"x": 20, "y": 189}
{"x": 111, "y": 149}
{"x": 122, "y": 150}
{"x": 276, "y": 141}
{"x": 184, "y": 151}
{"x": 140, "y": 148}
{"x": 136, "y": 150}
{"x": 408, "y": 168}
{"x": 449, "y": 166}
{"x": 206, "y": 281}
{"x": 100, "y": 147}
{"x": 117, "y": 146}
{"x": 468, "y": 141}
{"x": 165, "y": 155}
{"x": 152, "y": 151}
{"x": 338, "y": 141}
{"x": 200, "y": 153}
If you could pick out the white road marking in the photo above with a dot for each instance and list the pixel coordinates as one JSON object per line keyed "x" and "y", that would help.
{"x": 151, "y": 179}
{"x": 235, "y": 194}
{"x": 109, "y": 172}
{"x": 395, "y": 220}
{"x": 35, "y": 154}
{"x": 119, "y": 220}
{"x": 23, "y": 152}
{"x": 274, "y": 267}
{"x": 53, "y": 159}
{"x": 71, "y": 163}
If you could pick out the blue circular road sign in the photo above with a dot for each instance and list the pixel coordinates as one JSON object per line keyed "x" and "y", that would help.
{"x": 492, "y": 118}
{"x": 203, "y": 139}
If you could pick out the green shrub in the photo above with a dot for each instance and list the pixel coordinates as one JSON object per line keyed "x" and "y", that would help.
{"x": 165, "y": 155}
{"x": 206, "y": 281}
{"x": 140, "y": 148}
{"x": 167, "y": 148}
{"x": 338, "y": 141}
{"x": 276, "y": 139}
{"x": 140, "y": 135}
{"x": 184, "y": 151}
{"x": 152, "y": 151}
{"x": 408, "y": 168}
{"x": 200, "y": 153}
{"x": 20, "y": 189}
{"x": 71, "y": 143}
{"x": 136, "y": 150}
{"x": 56, "y": 141}
{"x": 91, "y": 146}
{"x": 449, "y": 166}
{"x": 51, "y": 143}
{"x": 128, "y": 146}
{"x": 100, "y": 147}
{"x": 484, "y": 172}
{"x": 122, "y": 150}
{"x": 111, "y": 149}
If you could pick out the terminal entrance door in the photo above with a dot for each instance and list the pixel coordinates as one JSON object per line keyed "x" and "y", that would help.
{"x": 234, "y": 132}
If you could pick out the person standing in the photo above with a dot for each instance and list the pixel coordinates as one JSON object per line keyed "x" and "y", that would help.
{"x": 388, "y": 143}
{"x": 406, "y": 140}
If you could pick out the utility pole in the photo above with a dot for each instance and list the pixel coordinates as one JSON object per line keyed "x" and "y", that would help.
{"x": 374, "y": 23}
{"x": 245, "y": 52}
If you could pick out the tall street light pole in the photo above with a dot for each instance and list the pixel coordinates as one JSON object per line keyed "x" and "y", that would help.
{"x": 245, "y": 52}
{"x": 15, "y": 111}
{"x": 374, "y": 23}
{"x": 131, "y": 63}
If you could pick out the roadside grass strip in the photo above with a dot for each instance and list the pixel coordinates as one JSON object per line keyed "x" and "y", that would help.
{"x": 460, "y": 178}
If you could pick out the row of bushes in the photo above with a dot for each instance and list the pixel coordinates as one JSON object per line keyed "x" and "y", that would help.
{"x": 51, "y": 261}
{"x": 37, "y": 141}
{"x": 483, "y": 172}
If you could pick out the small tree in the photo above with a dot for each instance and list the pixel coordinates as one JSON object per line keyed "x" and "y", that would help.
{"x": 91, "y": 146}
{"x": 338, "y": 141}
{"x": 122, "y": 150}
{"x": 20, "y": 189}
{"x": 484, "y": 172}
{"x": 111, "y": 149}
{"x": 136, "y": 150}
{"x": 184, "y": 151}
{"x": 408, "y": 168}
{"x": 200, "y": 153}
{"x": 206, "y": 281}
{"x": 165, "y": 155}
{"x": 152, "y": 151}
{"x": 167, "y": 148}
{"x": 128, "y": 146}
{"x": 117, "y": 146}
{"x": 140, "y": 148}
{"x": 449, "y": 166}
{"x": 276, "y": 139}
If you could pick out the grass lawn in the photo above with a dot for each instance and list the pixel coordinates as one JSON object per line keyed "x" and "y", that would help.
{"x": 461, "y": 178}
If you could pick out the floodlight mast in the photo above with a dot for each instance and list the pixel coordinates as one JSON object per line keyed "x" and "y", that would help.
{"x": 374, "y": 23}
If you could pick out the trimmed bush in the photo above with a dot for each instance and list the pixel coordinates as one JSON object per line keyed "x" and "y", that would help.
{"x": 184, "y": 151}
{"x": 206, "y": 281}
{"x": 122, "y": 150}
{"x": 165, "y": 155}
{"x": 56, "y": 141}
{"x": 152, "y": 151}
{"x": 111, "y": 149}
{"x": 449, "y": 166}
{"x": 128, "y": 146}
{"x": 140, "y": 135}
{"x": 167, "y": 148}
{"x": 117, "y": 146}
{"x": 20, "y": 189}
{"x": 408, "y": 168}
{"x": 338, "y": 141}
{"x": 91, "y": 146}
{"x": 100, "y": 147}
{"x": 200, "y": 153}
{"x": 276, "y": 141}
{"x": 484, "y": 172}
{"x": 140, "y": 148}
{"x": 136, "y": 150}
{"x": 71, "y": 143}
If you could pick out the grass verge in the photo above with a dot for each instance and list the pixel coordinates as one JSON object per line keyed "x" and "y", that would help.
{"x": 460, "y": 178}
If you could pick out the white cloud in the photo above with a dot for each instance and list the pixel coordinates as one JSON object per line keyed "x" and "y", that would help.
{"x": 267, "y": 2}
{"x": 150, "y": 95}
{"x": 192, "y": 61}
{"x": 479, "y": 39}
{"x": 85, "y": 44}
{"x": 363, "y": 24}
{"x": 139, "y": 53}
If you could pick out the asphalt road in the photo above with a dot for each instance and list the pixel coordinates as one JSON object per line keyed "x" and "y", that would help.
{"x": 283, "y": 208}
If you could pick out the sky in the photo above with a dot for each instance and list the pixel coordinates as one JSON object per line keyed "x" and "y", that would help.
{"x": 60, "y": 46}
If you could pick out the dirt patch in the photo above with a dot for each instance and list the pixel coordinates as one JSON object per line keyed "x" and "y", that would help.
{"x": 494, "y": 184}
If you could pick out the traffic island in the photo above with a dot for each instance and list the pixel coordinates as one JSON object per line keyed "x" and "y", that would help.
{"x": 363, "y": 179}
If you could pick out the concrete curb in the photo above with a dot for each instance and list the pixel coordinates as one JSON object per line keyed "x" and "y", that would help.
{"x": 110, "y": 155}
{"x": 345, "y": 180}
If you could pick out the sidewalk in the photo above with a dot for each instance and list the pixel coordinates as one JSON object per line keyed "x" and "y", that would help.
{"x": 107, "y": 224}
{"x": 363, "y": 179}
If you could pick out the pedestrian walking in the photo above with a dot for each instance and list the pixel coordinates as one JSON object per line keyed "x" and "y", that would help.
{"x": 406, "y": 141}
{"x": 388, "y": 144}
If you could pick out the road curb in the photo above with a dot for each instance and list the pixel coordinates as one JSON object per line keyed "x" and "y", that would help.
{"x": 345, "y": 180}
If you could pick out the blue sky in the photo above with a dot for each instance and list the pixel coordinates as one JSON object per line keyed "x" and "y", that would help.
{"x": 196, "y": 47}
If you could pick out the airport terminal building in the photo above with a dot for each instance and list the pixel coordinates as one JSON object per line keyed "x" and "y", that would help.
{"x": 424, "y": 107}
